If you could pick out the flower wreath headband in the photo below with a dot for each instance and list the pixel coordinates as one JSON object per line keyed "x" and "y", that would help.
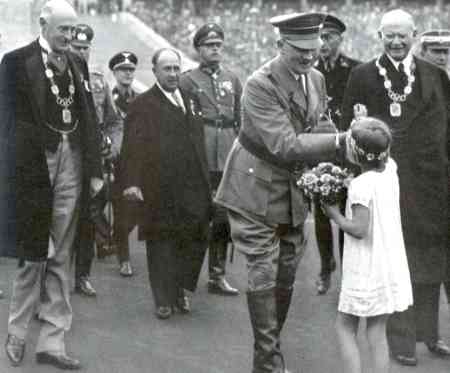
{"x": 369, "y": 156}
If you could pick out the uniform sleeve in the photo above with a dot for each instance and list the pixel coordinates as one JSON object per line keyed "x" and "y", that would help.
{"x": 237, "y": 103}
{"x": 263, "y": 110}
{"x": 111, "y": 117}
{"x": 359, "y": 192}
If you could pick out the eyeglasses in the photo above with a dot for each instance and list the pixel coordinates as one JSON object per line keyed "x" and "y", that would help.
{"x": 329, "y": 36}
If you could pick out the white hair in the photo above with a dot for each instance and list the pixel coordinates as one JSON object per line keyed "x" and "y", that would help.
{"x": 397, "y": 17}
{"x": 56, "y": 7}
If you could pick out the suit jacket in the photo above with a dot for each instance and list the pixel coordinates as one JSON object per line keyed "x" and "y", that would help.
{"x": 420, "y": 148}
{"x": 277, "y": 117}
{"x": 23, "y": 92}
{"x": 163, "y": 153}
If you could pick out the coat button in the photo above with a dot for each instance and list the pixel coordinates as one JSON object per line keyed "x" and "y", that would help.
{"x": 250, "y": 170}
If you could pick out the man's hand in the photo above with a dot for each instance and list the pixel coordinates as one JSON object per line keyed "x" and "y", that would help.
{"x": 359, "y": 111}
{"x": 133, "y": 194}
{"x": 96, "y": 186}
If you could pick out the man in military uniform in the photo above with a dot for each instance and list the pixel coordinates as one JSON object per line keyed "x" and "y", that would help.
{"x": 336, "y": 67}
{"x": 123, "y": 65}
{"x": 281, "y": 102}
{"x": 435, "y": 47}
{"x": 218, "y": 92}
{"x": 106, "y": 115}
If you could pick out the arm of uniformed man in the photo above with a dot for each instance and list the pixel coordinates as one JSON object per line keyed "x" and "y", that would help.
{"x": 263, "y": 114}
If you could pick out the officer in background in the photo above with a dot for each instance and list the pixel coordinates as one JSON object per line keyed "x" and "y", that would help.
{"x": 435, "y": 47}
{"x": 336, "y": 67}
{"x": 218, "y": 92}
{"x": 123, "y": 65}
{"x": 94, "y": 225}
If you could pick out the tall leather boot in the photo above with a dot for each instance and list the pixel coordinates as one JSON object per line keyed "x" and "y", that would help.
{"x": 262, "y": 307}
{"x": 284, "y": 297}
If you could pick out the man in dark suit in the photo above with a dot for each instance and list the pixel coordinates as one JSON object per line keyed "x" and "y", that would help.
{"x": 335, "y": 67}
{"x": 164, "y": 166}
{"x": 409, "y": 95}
{"x": 46, "y": 107}
{"x": 282, "y": 101}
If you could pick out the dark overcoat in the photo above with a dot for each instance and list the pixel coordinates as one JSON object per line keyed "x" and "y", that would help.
{"x": 163, "y": 153}
{"x": 420, "y": 148}
{"x": 23, "y": 91}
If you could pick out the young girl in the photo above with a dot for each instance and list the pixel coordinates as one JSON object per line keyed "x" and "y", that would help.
{"x": 375, "y": 274}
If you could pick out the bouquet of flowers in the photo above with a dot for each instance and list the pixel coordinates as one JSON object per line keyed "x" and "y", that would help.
{"x": 326, "y": 183}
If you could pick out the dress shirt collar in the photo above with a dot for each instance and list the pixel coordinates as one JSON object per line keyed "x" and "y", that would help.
{"x": 44, "y": 44}
{"x": 170, "y": 97}
{"x": 407, "y": 61}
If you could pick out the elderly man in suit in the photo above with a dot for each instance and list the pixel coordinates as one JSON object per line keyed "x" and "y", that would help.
{"x": 282, "y": 101}
{"x": 164, "y": 166}
{"x": 409, "y": 94}
{"x": 46, "y": 105}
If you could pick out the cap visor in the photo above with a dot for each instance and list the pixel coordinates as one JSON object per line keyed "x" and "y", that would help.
{"x": 305, "y": 44}
{"x": 208, "y": 41}
{"x": 124, "y": 65}
{"x": 79, "y": 43}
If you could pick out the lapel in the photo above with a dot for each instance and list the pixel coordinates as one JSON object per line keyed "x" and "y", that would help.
{"x": 168, "y": 110}
{"x": 34, "y": 67}
{"x": 288, "y": 82}
{"x": 313, "y": 96}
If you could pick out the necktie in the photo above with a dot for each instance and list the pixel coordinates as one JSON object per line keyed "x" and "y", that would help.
{"x": 178, "y": 102}
{"x": 402, "y": 74}
{"x": 302, "y": 86}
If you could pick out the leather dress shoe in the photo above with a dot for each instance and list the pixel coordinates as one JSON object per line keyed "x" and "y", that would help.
{"x": 61, "y": 361}
{"x": 323, "y": 284}
{"x": 183, "y": 304}
{"x": 84, "y": 286}
{"x": 222, "y": 287}
{"x": 409, "y": 361}
{"x": 15, "y": 349}
{"x": 439, "y": 348}
{"x": 125, "y": 269}
{"x": 163, "y": 312}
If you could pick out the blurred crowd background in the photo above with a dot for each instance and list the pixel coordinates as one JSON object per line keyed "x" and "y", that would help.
{"x": 249, "y": 37}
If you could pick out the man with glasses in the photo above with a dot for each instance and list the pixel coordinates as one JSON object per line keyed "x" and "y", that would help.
{"x": 335, "y": 67}
{"x": 218, "y": 92}
{"x": 281, "y": 102}
{"x": 123, "y": 65}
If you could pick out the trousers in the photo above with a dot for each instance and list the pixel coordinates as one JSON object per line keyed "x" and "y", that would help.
{"x": 45, "y": 285}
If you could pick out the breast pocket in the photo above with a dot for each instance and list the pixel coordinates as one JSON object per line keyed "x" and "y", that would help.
{"x": 252, "y": 182}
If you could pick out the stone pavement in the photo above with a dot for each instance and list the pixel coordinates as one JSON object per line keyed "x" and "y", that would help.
{"x": 117, "y": 332}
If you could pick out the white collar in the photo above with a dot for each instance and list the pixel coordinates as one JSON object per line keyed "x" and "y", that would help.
{"x": 170, "y": 97}
{"x": 44, "y": 44}
{"x": 407, "y": 61}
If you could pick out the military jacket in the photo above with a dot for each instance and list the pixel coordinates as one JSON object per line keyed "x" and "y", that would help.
{"x": 104, "y": 105}
{"x": 218, "y": 94}
{"x": 122, "y": 101}
{"x": 336, "y": 78}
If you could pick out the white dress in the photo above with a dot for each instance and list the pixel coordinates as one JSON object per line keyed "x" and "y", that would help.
{"x": 375, "y": 274}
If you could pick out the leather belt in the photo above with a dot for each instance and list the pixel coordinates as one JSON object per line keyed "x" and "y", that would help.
{"x": 219, "y": 123}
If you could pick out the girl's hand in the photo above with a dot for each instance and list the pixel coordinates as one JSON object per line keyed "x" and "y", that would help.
{"x": 331, "y": 210}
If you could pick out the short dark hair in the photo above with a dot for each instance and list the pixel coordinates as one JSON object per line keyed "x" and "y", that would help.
{"x": 157, "y": 54}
